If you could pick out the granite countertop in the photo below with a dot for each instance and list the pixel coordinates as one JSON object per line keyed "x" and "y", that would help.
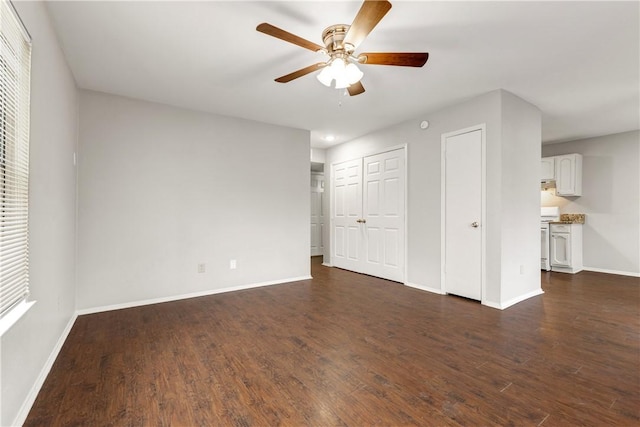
{"x": 571, "y": 219}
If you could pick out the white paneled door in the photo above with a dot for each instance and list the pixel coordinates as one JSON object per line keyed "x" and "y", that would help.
{"x": 369, "y": 215}
{"x": 462, "y": 216}
{"x": 347, "y": 212}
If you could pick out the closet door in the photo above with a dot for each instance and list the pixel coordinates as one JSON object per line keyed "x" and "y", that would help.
{"x": 462, "y": 216}
{"x": 346, "y": 238}
{"x": 383, "y": 215}
{"x": 368, "y": 231}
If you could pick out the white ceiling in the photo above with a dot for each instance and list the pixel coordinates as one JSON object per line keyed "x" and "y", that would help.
{"x": 577, "y": 61}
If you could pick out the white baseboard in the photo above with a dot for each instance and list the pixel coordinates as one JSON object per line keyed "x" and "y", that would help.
{"x": 567, "y": 270}
{"x": 35, "y": 389}
{"x": 492, "y": 304}
{"x": 326, "y": 264}
{"x": 185, "y": 296}
{"x": 604, "y": 270}
{"x": 507, "y": 304}
{"x": 425, "y": 288}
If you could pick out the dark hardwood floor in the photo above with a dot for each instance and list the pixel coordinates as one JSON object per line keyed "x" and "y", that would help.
{"x": 347, "y": 349}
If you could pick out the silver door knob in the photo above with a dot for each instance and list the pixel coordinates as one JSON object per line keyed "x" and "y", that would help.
{"x": 474, "y": 224}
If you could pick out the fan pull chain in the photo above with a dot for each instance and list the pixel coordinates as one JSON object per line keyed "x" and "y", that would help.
{"x": 341, "y": 94}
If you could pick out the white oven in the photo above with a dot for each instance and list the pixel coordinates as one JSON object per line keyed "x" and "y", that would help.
{"x": 544, "y": 246}
{"x": 547, "y": 215}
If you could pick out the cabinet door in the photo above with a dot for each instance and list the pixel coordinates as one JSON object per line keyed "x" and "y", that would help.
{"x": 548, "y": 169}
{"x": 569, "y": 175}
{"x": 561, "y": 249}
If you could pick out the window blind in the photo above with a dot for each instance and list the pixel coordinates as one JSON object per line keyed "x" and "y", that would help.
{"x": 15, "y": 65}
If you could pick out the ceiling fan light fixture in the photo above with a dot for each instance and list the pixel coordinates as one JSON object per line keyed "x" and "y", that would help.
{"x": 344, "y": 73}
{"x": 342, "y": 82}
{"x": 326, "y": 76}
{"x": 353, "y": 73}
{"x": 340, "y": 43}
{"x": 337, "y": 66}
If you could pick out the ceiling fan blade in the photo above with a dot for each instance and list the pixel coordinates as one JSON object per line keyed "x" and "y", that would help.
{"x": 371, "y": 12}
{"x": 402, "y": 59}
{"x": 288, "y": 37}
{"x": 301, "y": 72}
{"x": 355, "y": 89}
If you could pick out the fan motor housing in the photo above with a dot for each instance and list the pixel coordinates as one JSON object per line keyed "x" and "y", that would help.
{"x": 333, "y": 37}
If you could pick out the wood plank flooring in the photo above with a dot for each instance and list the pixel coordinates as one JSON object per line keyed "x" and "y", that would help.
{"x": 346, "y": 349}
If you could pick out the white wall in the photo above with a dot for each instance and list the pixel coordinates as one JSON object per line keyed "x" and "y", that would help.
{"x": 163, "y": 189}
{"x": 27, "y": 346}
{"x": 318, "y": 155}
{"x": 423, "y": 188}
{"x": 610, "y": 199}
{"x": 520, "y": 204}
{"x": 423, "y": 176}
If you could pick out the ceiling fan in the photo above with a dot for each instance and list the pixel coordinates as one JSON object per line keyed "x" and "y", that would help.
{"x": 340, "y": 43}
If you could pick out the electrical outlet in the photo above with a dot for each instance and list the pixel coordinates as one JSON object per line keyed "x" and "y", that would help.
{"x": 233, "y": 264}
{"x": 521, "y": 269}
{"x": 202, "y": 268}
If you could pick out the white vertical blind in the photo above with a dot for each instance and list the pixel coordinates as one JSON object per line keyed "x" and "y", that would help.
{"x": 15, "y": 67}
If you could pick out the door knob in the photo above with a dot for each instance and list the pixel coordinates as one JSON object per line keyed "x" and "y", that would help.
{"x": 361, "y": 221}
{"x": 474, "y": 224}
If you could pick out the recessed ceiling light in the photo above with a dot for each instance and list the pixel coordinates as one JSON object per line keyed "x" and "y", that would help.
{"x": 329, "y": 138}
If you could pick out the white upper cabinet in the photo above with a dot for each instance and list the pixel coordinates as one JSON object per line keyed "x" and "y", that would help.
{"x": 569, "y": 175}
{"x": 548, "y": 169}
{"x": 566, "y": 171}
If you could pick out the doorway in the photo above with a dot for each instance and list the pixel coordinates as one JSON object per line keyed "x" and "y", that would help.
{"x": 316, "y": 209}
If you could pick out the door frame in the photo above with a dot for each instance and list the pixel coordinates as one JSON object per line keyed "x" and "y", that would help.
{"x": 405, "y": 148}
{"x": 482, "y": 127}
{"x": 321, "y": 215}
